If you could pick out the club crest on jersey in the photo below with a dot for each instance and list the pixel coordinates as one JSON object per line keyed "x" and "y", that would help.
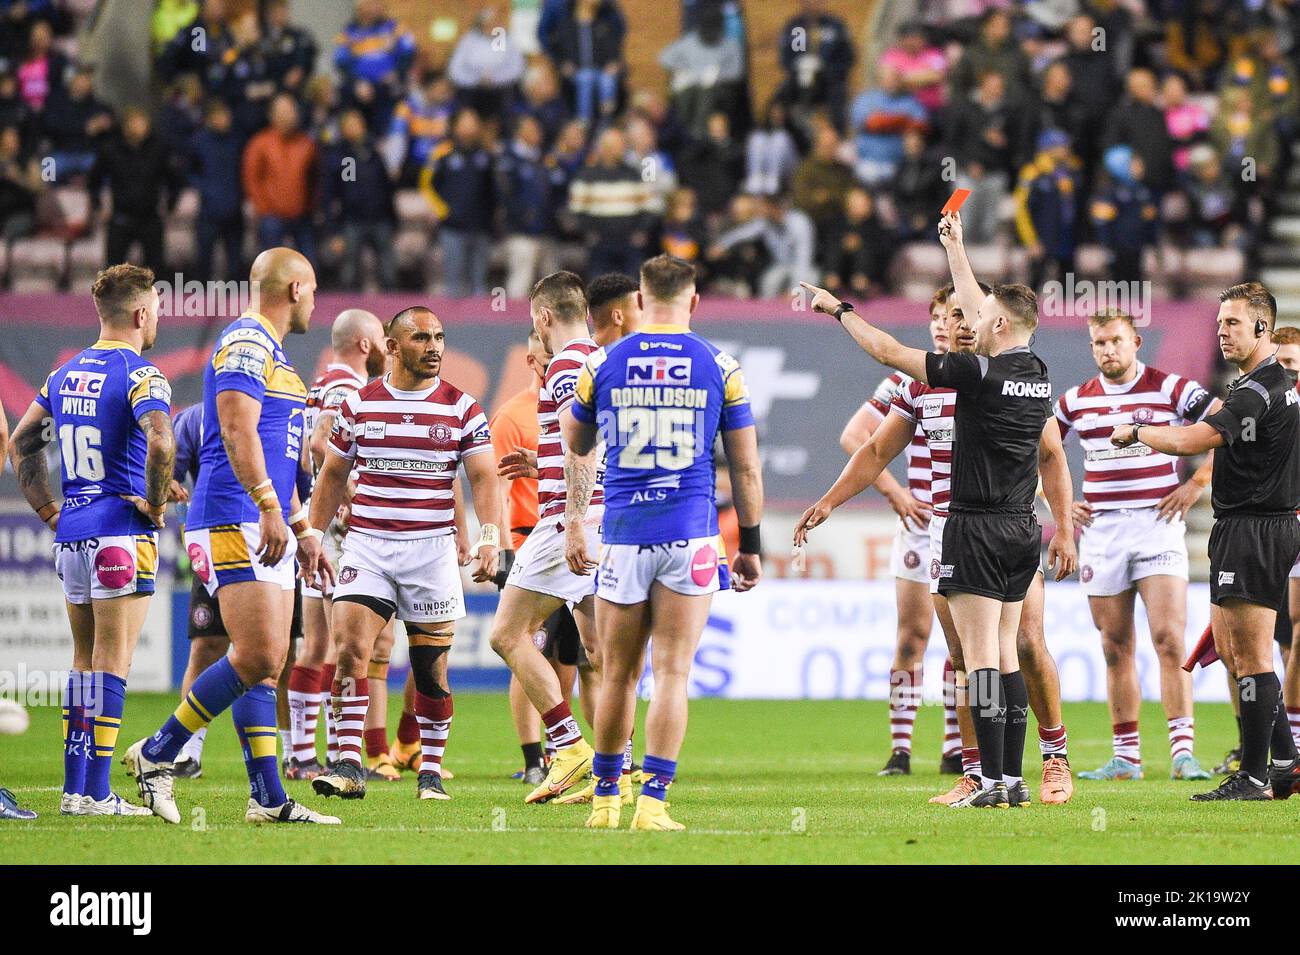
{"x": 659, "y": 370}
{"x": 83, "y": 384}
{"x": 440, "y": 435}
{"x": 1143, "y": 416}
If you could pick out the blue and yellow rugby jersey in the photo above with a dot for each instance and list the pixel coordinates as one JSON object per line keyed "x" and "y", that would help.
{"x": 248, "y": 357}
{"x": 96, "y": 401}
{"x": 659, "y": 397}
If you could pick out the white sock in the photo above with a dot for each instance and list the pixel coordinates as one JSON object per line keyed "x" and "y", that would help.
{"x": 1012, "y": 780}
{"x": 193, "y": 748}
{"x": 987, "y": 783}
{"x": 286, "y": 742}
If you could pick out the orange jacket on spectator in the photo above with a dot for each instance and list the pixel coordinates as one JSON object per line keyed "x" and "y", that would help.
{"x": 279, "y": 174}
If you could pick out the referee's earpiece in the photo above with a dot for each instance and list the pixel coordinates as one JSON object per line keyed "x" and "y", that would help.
{"x": 1260, "y": 327}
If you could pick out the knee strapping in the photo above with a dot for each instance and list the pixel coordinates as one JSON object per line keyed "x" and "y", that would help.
{"x": 423, "y": 661}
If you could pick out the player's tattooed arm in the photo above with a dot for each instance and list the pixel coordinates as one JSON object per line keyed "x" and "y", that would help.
{"x": 159, "y": 464}
{"x": 1057, "y": 488}
{"x": 866, "y": 465}
{"x": 580, "y": 484}
{"x": 880, "y": 345}
{"x": 31, "y": 436}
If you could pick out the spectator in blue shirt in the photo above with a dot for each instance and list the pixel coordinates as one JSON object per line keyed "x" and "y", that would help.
{"x": 1124, "y": 213}
{"x": 526, "y": 196}
{"x": 373, "y": 54}
{"x": 420, "y": 124}
{"x": 880, "y": 117}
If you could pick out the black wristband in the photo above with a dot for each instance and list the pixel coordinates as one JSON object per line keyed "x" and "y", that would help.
{"x": 751, "y": 540}
{"x": 840, "y": 309}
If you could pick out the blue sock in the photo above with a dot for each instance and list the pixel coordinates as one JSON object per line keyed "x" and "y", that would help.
{"x": 254, "y": 717}
{"x": 75, "y": 747}
{"x": 660, "y": 773}
{"x": 212, "y": 693}
{"x": 105, "y": 721}
{"x": 607, "y": 768}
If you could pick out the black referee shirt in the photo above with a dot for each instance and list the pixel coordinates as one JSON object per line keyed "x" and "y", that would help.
{"x": 1258, "y": 469}
{"x": 1003, "y": 403}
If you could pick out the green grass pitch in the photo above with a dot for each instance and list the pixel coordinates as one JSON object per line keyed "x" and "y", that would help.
{"x": 760, "y": 781}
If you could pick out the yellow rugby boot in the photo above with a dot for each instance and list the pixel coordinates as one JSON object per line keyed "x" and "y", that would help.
{"x": 652, "y": 816}
{"x": 605, "y": 812}
{"x": 571, "y": 766}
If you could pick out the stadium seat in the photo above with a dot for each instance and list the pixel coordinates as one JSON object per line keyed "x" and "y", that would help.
{"x": 1090, "y": 261}
{"x": 180, "y": 246}
{"x": 413, "y": 209}
{"x": 187, "y": 209}
{"x": 920, "y": 268}
{"x": 74, "y": 209}
{"x": 411, "y": 247}
{"x": 38, "y": 264}
{"x": 85, "y": 259}
{"x": 1207, "y": 271}
{"x": 991, "y": 263}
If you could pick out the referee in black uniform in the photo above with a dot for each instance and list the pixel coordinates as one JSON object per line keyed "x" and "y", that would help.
{"x": 1256, "y": 535}
{"x": 991, "y": 540}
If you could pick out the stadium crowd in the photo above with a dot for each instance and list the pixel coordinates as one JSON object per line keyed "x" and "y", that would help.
{"x": 1124, "y": 124}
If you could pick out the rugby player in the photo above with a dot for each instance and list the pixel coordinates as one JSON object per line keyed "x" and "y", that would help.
{"x": 1256, "y": 537}
{"x": 243, "y": 517}
{"x": 910, "y": 565}
{"x": 110, "y": 410}
{"x": 1287, "y": 340}
{"x": 357, "y": 354}
{"x": 932, "y": 410}
{"x": 990, "y": 551}
{"x": 540, "y": 581}
{"x": 406, "y": 435}
{"x": 1134, "y": 538}
{"x": 660, "y": 398}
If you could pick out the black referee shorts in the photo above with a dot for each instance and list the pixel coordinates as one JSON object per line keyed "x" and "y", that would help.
{"x": 205, "y": 613}
{"x": 563, "y": 645}
{"x": 1251, "y": 558}
{"x": 990, "y": 554}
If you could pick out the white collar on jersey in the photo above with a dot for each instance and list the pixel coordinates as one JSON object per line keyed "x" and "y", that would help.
{"x": 399, "y": 393}
{"x": 1125, "y": 388}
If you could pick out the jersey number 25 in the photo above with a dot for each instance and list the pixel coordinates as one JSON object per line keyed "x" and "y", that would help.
{"x": 670, "y": 430}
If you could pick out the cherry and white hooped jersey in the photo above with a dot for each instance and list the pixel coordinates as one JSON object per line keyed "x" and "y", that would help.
{"x": 933, "y": 411}
{"x": 1135, "y": 476}
{"x": 405, "y": 447}
{"x": 555, "y": 395}
{"x": 328, "y": 391}
{"x": 919, "y": 468}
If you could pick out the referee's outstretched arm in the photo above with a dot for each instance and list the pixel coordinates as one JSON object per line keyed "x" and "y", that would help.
{"x": 880, "y": 345}
{"x": 1181, "y": 440}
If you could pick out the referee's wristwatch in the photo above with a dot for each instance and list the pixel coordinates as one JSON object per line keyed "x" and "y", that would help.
{"x": 841, "y": 308}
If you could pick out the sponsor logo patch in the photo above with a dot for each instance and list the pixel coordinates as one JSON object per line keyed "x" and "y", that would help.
{"x": 83, "y": 384}
{"x": 1227, "y": 577}
{"x": 932, "y": 407}
{"x": 199, "y": 562}
{"x": 115, "y": 567}
{"x": 704, "y": 566}
{"x": 659, "y": 370}
{"x": 1026, "y": 389}
{"x": 375, "y": 429}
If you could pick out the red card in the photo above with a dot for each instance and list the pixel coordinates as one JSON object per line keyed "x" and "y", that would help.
{"x": 954, "y": 201}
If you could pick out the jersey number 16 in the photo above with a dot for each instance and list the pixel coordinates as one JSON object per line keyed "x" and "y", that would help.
{"x": 82, "y": 457}
{"x": 668, "y": 429}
